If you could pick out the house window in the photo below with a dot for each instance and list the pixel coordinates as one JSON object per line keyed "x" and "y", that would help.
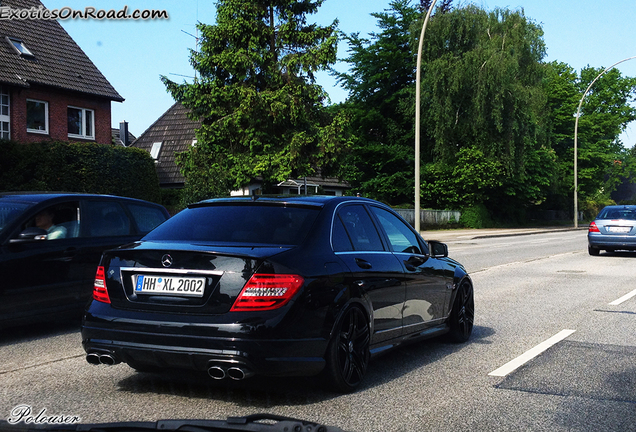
{"x": 37, "y": 116}
{"x": 4, "y": 114}
{"x": 20, "y": 47}
{"x": 81, "y": 123}
{"x": 156, "y": 149}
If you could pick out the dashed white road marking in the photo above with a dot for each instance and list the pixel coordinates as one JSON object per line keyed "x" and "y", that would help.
{"x": 624, "y": 298}
{"x": 530, "y": 354}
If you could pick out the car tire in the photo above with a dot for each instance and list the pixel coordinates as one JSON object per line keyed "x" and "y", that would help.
{"x": 462, "y": 315}
{"x": 593, "y": 251}
{"x": 348, "y": 351}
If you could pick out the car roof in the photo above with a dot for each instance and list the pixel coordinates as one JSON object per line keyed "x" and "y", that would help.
{"x": 621, "y": 206}
{"x": 315, "y": 200}
{"x": 38, "y": 197}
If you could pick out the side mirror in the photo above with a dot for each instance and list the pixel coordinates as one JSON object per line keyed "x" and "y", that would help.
{"x": 438, "y": 249}
{"x": 32, "y": 233}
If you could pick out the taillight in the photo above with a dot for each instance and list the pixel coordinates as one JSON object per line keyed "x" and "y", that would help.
{"x": 267, "y": 292}
{"x": 593, "y": 228}
{"x": 100, "y": 293}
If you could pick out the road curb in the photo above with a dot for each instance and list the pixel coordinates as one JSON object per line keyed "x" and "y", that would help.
{"x": 477, "y": 234}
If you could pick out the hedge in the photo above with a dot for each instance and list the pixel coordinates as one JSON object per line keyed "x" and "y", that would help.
{"x": 78, "y": 167}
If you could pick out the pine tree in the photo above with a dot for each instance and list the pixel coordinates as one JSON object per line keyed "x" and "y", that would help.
{"x": 262, "y": 113}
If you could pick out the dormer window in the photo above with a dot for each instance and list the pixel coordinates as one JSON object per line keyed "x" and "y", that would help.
{"x": 20, "y": 47}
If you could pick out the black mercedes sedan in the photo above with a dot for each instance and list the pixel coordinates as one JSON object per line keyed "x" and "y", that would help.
{"x": 280, "y": 286}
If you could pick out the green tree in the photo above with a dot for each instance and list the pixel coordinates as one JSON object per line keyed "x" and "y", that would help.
{"x": 482, "y": 89}
{"x": 563, "y": 96}
{"x": 261, "y": 111}
{"x": 605, "y": 113}
{"x": 380, "y": 83}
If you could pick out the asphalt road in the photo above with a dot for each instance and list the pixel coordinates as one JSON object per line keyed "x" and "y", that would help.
{"x": 527, "y": 290}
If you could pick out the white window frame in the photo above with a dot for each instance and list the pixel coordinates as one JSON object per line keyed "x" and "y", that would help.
{"x": 5, "y": 118}
{"x": 46, "y": 117}
{"x": 83, "y": 134}
{"x": 155, "y": 150}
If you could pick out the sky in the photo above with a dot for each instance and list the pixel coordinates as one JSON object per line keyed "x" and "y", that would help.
{"x": 133, "y": 55}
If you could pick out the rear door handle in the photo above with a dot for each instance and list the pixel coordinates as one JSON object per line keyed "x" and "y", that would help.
{"x": 363, "y": 264}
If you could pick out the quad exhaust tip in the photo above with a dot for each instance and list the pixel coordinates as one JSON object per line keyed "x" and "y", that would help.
{"x": 101, "y": 358}
{"x": 236, "y": 373}
{"x": 216, "y": 372}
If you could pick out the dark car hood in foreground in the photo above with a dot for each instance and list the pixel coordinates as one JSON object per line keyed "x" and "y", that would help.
{"x": 254, "y": 423}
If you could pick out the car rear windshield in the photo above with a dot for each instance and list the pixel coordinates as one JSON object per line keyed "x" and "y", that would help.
{"x": 245, "y": 224}
{"x": 614, "y": 213}
{"x": 9, "y": 211}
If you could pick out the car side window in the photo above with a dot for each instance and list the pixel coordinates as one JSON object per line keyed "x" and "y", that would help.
{"x": 360, "y": 228}
{"x": 400, "y": 236}
{"x": 340, "y": 239}
{"x": 146, "y": 217}
{"x": 105, "y": 219}
{"x": 60, "y": 221}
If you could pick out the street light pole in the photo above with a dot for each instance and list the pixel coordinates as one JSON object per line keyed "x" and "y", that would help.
{"x": 418, "y": 75}
{"x": 576, "y": 133}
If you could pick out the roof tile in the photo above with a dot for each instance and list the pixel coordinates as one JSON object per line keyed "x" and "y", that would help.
{"x": 59, "y": 62}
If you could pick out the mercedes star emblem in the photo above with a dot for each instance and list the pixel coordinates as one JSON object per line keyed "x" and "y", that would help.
{"x": 166, "y": 260}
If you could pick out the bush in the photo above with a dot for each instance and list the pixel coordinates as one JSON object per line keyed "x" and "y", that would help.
{"x": 78, "y": 167}
{"x": 590, "y": 207}
{"x": 172, "y": 199}
{"x": 476, "y": 216}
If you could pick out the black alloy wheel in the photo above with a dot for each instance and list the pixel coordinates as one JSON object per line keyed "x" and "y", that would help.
{"x": 348, "y": 352}
{"x": 462, "y": 316}
{"x": 593, "y": 251}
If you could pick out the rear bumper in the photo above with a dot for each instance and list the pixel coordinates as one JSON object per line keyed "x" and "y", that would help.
{"x": 199, "y": 346}
{"x": 603, "y": 241}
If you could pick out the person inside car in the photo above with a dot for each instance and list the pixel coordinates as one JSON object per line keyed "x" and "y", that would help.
{"x": 44, "y": 220}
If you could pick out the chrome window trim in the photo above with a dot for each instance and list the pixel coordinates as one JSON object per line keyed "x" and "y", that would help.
{"x": 361, "y": 252}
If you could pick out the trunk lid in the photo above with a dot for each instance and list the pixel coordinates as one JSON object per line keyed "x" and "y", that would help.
{"x": 180, "y": 278}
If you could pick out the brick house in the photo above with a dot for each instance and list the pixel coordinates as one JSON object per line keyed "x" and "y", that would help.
{"x": 175, "y": 132}
{"x": 49, "y": 88}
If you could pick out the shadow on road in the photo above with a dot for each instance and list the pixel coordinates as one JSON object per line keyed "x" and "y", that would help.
{"x": 26, "y": 333}
{"x": 622, "y": 254}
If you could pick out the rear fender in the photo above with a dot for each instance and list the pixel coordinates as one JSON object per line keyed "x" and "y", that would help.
{"x": 363, "y": 304}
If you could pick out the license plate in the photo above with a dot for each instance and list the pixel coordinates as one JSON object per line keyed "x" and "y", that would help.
{"x": 170, "y": 285}
{"x": 616, "y": 229}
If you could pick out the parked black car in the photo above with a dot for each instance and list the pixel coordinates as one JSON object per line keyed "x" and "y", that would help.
{"x": 275, "y": 286}
{"x": 50, "y": 246}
